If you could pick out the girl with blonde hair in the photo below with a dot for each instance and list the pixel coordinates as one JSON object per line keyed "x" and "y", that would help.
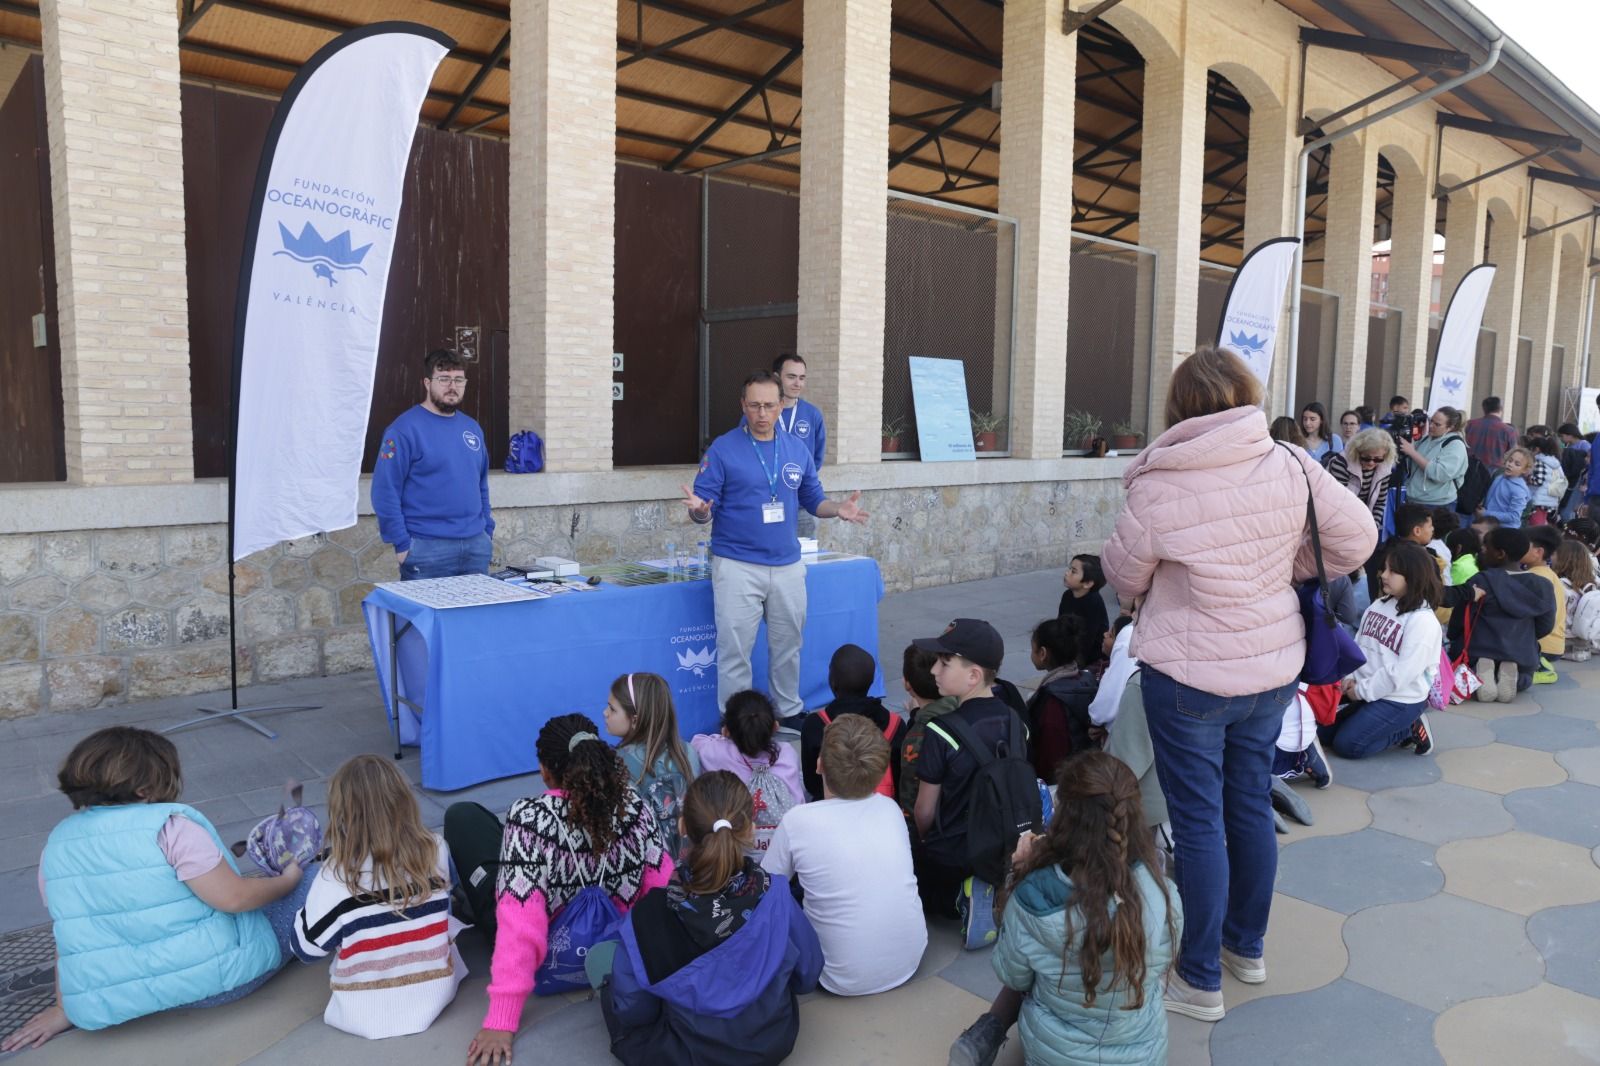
{"x": 639, "y": 711}
{"x": 380, "y": 905}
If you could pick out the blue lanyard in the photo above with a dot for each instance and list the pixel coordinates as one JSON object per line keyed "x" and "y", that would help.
{"x": 772, "y": 474}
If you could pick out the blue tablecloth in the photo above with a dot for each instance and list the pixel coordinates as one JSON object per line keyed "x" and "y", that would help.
{"x": 489, "y": 677}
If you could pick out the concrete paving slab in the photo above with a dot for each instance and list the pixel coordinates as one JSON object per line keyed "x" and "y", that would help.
{"x": 1520, "y": 872}
{"x": 1501, "y": 768}
{"x": 20, "y": 904}
{"x": 1451, "y": 730}
{"x": 1581, "y": 764}
{"x": 1569, "y": 940}
{"x": 911, "y": 1024}
{"x": 973, "y": 971}
{"x": 1490, "y": 712}
{"x": 1549, "y": 1025}
{"x": 1569, "y": 811}
{"x": 1389, "y": 769}
{"x": 1547, "y": 732}
{"x": 1304, "y": 950}
{"x": 1188, "y": 1041}
{"x": 1415, "y": 951}
{"x": 1349, "y": 873}
{"x": 1578, "y": 703}
{"x": 1338, "y": 809}
{"x": 1336, "y": 1025}
{"x": 1439, "y": 812}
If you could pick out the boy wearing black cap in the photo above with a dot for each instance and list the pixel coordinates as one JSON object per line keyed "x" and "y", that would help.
{"x": 969, "y": 654}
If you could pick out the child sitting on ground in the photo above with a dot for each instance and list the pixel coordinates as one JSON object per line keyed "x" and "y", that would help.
{"x": 1482, "y": 524}
{"x": 1464, "y": 545}
{"x": 1298, "y": 752}
{"x": 639, "y": 710}
{"x": 850, "y": 674}
{"x": 1508, "y": 492}
{"x": 386, "y": 882}
{"x": 1084, "y": 579}
{"x": 1401, "y": 639}
{"x": 924, "y": 705}
{"x": 1087, "y": 934}
{"x": 1413, "y": 524}
{"x": 710, "y": 968}
{"x": 1058, "y": 713}
{"x": 748, "y": 748}
{"x": 1129, "y": 741}
{"x": 851, "y": 855}
{"x": 1543, "y": 542}
{"x": 588, "y": 828}
{"x": 1120, "y": 667}
{"x": 1571, "y": 564}
{"x": 1445, "y": 522}
{"x": 147, "y": 906}
{"x": 1509, "y": 616}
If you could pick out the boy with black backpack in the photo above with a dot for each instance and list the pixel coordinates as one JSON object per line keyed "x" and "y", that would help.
{"x": 977, "y": 791}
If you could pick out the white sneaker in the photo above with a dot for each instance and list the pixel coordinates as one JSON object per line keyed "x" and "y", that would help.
{"x": 1183, "y": 998}
{"x": 1250, "y": 971}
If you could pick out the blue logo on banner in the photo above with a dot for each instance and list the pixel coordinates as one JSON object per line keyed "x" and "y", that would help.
{"x": 324, "y": 256}
{"x": 1452, "y": 384}
{"x": 1246, "y": 344}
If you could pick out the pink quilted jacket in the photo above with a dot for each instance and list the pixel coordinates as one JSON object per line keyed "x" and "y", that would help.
{"x": 1214, "y": 528}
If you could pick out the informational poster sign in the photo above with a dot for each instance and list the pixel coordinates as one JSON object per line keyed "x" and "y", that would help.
{"x": 939, "y": 395}
{"x": 1588, "y": 413}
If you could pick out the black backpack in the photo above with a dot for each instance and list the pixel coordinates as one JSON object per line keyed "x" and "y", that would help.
{"x": 1474, "y": 484}
{"x": 1005, "y": 795}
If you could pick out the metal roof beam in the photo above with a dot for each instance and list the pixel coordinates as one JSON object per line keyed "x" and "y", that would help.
{"x": 1507, "y": 132}
{"x": 489, "y": 63}
{"x": 725, "y": 22}
{"x": 738, "y": 105}
{"x": 1371, "y": 46}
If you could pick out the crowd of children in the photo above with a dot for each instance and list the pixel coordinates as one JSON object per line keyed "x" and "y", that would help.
{"x": 703, "y": 887}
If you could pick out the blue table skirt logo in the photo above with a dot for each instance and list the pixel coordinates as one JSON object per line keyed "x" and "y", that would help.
{"x": 324, "y": 256}
{"x": 791, "y": 475}
{"x": 698, "y": 660}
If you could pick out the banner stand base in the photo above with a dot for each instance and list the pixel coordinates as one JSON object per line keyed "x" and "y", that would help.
{"x": 241, "y": 715}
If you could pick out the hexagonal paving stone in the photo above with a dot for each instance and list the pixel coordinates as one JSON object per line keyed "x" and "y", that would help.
{"x": 1546, "y": 732}
{"x": 1574, "y": 703}
{"x": 1451, "y": 731}
{"x": 1340, "y": 1024}
{"x": 1569, "y": 940}
{"x": 1490, "y": 712}
{"x": 1520, "y": 872}
{"x": 1358, "y": 870}
{"x": 1439, "y": 812}
{"x": 1501, "y": 768}
{"x": 1569, "y": 811}
{"x": 1581, "y": 764}
{"x": 1441, "y": 951}
{"x": 1337, "y": 810}
{"x": 1305, "y": 949}
{"x": 1389, "y": 769}
{"x": 1548, "y": 1025}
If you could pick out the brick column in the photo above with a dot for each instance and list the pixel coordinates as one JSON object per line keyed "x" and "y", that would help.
{"x": 844, "y": 181}
{"x": 116, "y": 189}
{"x": 1539, "y": 280}
{"x": 1347, "y": 262}
{"x": 563, "y": 209}
{"x": 1169, "y": 209}
{"x": 1464, "y": 225}
{"x": 1503, "y": 312}
{"x": 1411, "y": 276}
{"x": 1570, "y": 293}
{"x": 1269, "y": 212}
{"x": 1035, "y": 188}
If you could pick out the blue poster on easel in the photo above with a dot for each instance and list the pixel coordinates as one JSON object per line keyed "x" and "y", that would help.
{"x": 939, "y": 395}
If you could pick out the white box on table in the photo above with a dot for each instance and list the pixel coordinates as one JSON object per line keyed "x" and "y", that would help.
{"x": 558, "y": 566}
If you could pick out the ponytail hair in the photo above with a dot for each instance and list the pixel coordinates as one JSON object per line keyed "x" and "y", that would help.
{"x": 719, "y": 830}
{"x": 589, "y": 771}
{"x": 751, "y": 723}
{"x": 1098, "y": 836}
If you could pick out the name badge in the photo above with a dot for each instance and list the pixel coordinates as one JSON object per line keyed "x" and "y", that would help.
{"x": 772, "y": 512}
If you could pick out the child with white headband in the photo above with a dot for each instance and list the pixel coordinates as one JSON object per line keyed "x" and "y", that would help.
{"x": 710, "y": 968}
{"x": 640, "y": 713}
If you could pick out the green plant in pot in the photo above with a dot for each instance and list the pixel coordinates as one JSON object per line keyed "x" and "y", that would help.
{"x": 1079, "y": 430}
{"x": 893, "y": 428}
{"x": 1124, "y": 436}
{"x": 986, "y": 427}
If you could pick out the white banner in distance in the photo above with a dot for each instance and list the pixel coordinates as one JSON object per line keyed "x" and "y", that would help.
{"x": 1254, "y": 307}
{"x": 312, "y": 286}
{"x": 1458, "y": 341}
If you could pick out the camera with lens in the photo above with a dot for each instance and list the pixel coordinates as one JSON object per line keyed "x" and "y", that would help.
{"x": 1407, "y": 427}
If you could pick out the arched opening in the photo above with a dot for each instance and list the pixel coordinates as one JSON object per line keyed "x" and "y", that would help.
{"x": 1222, "y": 200}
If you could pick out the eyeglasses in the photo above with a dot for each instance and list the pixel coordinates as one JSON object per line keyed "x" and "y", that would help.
{"x": 761, "y": 407}
{"x": 458, "y": 380}
{"x": 1374, "y": 459}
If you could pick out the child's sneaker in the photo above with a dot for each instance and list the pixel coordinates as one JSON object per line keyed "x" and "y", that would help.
{"x": 1488, "y": 693}
{"x": 1579, "y": 655}
{"x": 979, "y": 1043}
{"x": 1317, "y": 765}
{"x": 1288, "y": 802}
{"x": 1546, "y": 674}
{"x": 1421, "y": 736}
{"x": 977, "y": 913}
{"x": 1507, "y": 687}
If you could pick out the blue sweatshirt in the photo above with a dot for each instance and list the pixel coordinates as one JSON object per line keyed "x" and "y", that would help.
{"x": 431, "y": 479}
{"x": 738, "y": 475}
{"x": 804, "y": 420}
{"x": 1507, "y": 499}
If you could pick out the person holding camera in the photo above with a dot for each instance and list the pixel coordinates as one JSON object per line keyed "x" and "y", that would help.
{"x": 1438, "y": 462}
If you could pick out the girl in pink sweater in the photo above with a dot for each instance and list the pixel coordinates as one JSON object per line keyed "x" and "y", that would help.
{"x": 589, "y": 828}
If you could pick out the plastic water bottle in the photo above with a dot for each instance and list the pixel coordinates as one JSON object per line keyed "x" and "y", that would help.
{"x": 702, "y": 555}
{"x": 672, "y": 557}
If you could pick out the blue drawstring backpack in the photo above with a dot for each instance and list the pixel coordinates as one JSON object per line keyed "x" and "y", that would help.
{"x": 526, "y": 453}
{"x": 588, "y": 918}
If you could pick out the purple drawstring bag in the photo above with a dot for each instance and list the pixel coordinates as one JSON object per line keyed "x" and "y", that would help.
{"x": 293, "y": 832}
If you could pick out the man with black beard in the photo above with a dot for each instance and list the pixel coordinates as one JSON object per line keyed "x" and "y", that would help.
{"x": 430, "y": 485}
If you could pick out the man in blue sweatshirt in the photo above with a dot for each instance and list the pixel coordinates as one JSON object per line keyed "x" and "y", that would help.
{"x": 802, "y": 418}
{"x": 430, "y": 486}
{"x": 753, "y": 481}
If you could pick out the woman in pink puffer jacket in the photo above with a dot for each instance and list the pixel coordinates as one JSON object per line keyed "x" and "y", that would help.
{"x": 1214, "y": 536}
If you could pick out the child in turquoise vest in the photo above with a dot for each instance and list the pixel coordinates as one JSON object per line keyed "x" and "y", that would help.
{"x": 130, "y": 869}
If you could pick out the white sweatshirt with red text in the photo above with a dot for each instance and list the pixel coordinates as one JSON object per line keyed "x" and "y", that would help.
{"x": 1402, "y": 653}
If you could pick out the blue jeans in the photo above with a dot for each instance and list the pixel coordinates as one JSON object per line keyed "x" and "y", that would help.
{"x": 1214, "y": 760}
{"x": 446, "y": 557}
{"x": 1371, "y": 728}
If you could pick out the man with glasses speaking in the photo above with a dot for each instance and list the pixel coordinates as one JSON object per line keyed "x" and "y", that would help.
{"x": 430, "y": 484}
{"x": 753, "y": 482}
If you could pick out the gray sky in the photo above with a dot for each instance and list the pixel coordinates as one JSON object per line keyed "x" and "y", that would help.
{"x": 1561, "y": 34}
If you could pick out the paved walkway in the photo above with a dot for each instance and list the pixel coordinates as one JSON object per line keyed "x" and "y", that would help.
{"x": 1442, "y": 909}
